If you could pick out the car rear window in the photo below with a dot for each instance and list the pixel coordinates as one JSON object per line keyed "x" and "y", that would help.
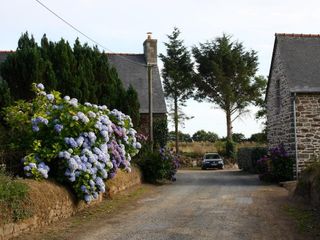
{"x": 212, "y": 156}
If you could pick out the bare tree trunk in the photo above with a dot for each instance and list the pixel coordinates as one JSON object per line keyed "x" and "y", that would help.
{"x": 176, "y": 123}
{"x": 229, "y": 125}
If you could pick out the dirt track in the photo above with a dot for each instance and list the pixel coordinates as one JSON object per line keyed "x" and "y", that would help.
{"x": 223, "y": 205}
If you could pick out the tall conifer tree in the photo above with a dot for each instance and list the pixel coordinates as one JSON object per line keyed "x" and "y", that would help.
{"x": 177, "y": 75}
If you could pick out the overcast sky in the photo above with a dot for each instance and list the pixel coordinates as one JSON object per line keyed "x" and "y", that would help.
{"x": 121, "y": 26}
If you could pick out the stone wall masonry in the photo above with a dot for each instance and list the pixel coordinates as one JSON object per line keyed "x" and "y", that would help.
{"x": 280, "y": 109}
{"x": 308, "y": 128}
{"x": 53, "y": 202}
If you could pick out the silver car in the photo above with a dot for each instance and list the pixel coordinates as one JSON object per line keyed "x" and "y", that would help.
{"x": 212, "y": 160}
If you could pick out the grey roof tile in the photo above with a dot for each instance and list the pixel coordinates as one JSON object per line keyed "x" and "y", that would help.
{"x": 132, "y": 70}
{"x": 300, "y": 56}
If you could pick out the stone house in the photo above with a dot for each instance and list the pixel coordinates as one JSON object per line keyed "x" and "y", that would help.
{"x": 132, "y": 69}
{"x": 293, "y": 97}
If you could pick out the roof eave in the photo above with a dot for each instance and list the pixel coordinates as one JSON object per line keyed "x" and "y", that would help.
{"x": 271, "y": 65}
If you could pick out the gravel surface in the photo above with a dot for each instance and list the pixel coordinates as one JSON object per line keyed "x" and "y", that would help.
{"x": 204, "y": 205}
{"x": 212, "y": 204}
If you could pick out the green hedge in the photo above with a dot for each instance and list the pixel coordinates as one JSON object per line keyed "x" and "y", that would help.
{"x": 247, "y": 157}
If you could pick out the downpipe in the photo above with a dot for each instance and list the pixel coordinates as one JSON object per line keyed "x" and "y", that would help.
{"x": 295, "y": 134}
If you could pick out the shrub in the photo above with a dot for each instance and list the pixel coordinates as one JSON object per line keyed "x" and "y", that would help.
{"x": 277, "y": 166}
{"x": 13, "y": 198}
{"x": 247, "y": 157}
{"x": 78, "y": 144}
{"x": 230, "y": 149}
{"x": 158, "y": 165}
{"x": 160, "y": 132}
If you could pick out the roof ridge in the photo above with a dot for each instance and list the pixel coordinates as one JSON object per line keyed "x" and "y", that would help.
{"x": 125, "y": 54}
{"x": 297, "y": 35}
{"x": 7, "y": 51}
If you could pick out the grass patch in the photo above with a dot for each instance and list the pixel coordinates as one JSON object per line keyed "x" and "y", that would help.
{"x": 307, "y": 219}
{"x": 13, "y": 199}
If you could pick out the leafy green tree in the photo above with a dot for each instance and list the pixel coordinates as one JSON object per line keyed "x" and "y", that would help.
{"x": 259, "y": 137}
{"x": 238, "y": 137}
{"x": 183, "y": 137}
{"x": 177, "y": 76}
{"x": 227, "y": 77}
{"x": 203, "y": 136}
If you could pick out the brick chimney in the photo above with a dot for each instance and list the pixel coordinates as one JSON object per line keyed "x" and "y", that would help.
{"x": 150, "y": 49}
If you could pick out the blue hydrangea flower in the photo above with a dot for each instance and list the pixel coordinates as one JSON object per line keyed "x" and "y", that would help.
{"x": 58, "y": 128}
{"x": 40, "y": 86}
{"x": 50, "y": 97}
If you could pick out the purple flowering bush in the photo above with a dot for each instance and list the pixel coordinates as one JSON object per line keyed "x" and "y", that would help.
{"x": 277, "y": 166}
{"x": 78, "y": 144}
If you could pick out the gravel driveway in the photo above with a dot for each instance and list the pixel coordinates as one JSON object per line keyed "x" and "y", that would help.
{"x": 204, "y": 205}
{"x": 210, "y": 204}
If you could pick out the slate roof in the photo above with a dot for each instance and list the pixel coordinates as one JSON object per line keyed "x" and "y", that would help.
{"x": 132, "y": 70}
{"x": 300, "y": 56}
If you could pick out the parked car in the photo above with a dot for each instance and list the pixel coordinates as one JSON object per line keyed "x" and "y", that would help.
{"x": 212, "y": 160}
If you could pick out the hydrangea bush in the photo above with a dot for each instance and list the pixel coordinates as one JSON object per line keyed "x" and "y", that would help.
{"x": 82, "y": 144}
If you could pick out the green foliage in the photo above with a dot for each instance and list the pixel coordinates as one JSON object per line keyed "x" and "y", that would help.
{"x": 160, "y": 132}
{"x": 203, "y": 136}
{"x": 177, "y": 75}
{"x": 226, "y": 76}
{"x": 247, "y": 157}
{"x": 13, "y": 199}
{"x": 230, "y": 149}
{"x": 132, "y": 106}
{"x": 308, "y": 185}
{"x": 5, "y": 97}
{"x": 238, "y": 137}
{"x": 183, "y": 137}
{"x": 80, "y": 144}
{"x": 259, "y": 137}
{"x": 158, "y": 165}
{"x": 221, "y": 147}
{"x": 79, "y": 71}
{"x": 277, "y": 166}
{"x": 177, "y": 71}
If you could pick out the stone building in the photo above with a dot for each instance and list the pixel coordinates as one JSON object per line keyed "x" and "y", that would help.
{"x": 132, "y": 69}
{"x": 293, "y": 96}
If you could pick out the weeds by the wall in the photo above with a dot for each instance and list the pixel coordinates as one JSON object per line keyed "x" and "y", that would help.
{"x": 14, "y": 204}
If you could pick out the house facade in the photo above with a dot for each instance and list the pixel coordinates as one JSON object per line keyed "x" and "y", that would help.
{"x": 293, "y": 97}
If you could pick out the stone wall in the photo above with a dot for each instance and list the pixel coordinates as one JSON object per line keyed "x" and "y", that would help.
{"x": 144, "y": 122}
{"x": 280, "y": 109}
{"x": 308, "y": 127}
{"x": 53, "y": 202}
